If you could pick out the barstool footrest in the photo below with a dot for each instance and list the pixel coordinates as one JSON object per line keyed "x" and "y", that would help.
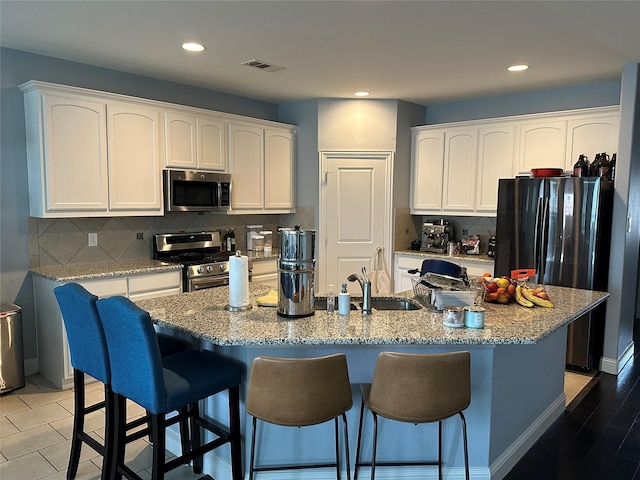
{"x": 433, "y": 463}
{"x": 269, "y": 468}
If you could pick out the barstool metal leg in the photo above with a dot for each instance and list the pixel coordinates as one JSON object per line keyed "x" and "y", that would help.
{"x": 357, "y": 466}
{"x": 464, "y": 441}
{"x": 253, "y": 449}
{"x": 375, "y": 446}
{"x": 440, "y": 450}
{"x": 337, "y": 445}
{"x": 346, "y": 445}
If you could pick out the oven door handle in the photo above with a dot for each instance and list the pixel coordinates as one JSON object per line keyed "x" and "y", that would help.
{"x": 207, "y": 282}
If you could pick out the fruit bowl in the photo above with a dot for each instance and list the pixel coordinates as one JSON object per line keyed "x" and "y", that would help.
{"x": 498, "y": 289}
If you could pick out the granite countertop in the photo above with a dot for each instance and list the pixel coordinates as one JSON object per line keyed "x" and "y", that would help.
{"x": 202, "y": 315}
{"x": 483, "y": 258}
{"x": 88, "y": 271}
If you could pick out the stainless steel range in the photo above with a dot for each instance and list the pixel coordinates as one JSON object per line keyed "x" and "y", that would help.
{"x": 204, "y": 263}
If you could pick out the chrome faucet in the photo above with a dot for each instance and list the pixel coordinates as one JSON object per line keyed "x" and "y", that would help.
{"x": 365, "y": 285}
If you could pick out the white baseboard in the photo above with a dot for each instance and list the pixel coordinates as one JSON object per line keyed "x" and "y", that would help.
{"x": 614, "y": 366}
{"x": 31, "y": 366}
{"x": 507, "y": 460}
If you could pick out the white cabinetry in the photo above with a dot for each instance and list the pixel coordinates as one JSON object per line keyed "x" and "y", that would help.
{"x": 459, "y": 182}
{"x": 427, "y": 166}
{"x": 134, "y": 159}
{"x": 456, "y": 170}
{"x": 90, "y": 156}
{"x": 495, "y": 161}
{"x": 541, "y": 144}
{"x": 456, "y": 166}
{"x": 261, "y": 162}
{"x": 195, "y": 141}
{"x": 591, "y": 134}
{"x": 265, "y": 271}
{"x": 53, "y": 349}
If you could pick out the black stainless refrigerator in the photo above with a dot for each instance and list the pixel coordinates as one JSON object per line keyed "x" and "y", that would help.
{"x": 561, "y": 227}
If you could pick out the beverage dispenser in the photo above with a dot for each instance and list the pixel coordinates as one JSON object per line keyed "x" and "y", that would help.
{"x": 296, "y": 268}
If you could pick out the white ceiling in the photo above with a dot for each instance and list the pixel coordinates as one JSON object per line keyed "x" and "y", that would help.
{"x": 420, "y": 51}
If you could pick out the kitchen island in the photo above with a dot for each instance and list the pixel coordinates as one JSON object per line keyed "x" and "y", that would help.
{"x": 517, "y": 374}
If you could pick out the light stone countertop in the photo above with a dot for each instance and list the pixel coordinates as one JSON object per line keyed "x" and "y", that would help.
{"x": 202, "y": 315}
{"x": 484, "y": 258}
{"x": 89, "y": 271}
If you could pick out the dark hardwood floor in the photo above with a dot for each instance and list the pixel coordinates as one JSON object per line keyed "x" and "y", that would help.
{"x": 597, "y": 437}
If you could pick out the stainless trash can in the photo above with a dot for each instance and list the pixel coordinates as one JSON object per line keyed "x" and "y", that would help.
{"x": 11, "y": 353}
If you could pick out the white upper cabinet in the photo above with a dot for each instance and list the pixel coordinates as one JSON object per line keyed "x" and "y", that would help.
{"x": 456, "y": 167}
{"x": 427, "y": 168}
{"x": 90, "y": 156}
{"x": 261, "y": 161}
{"x": 591, "y": 134}
{"x": 541, "y": 144}
{"x": 279, "y": 179}
{"x": 459, "y": 181}
{"x": 67, "y": 154}
{"x": 195, "y": 141}
{"x": 134, "y": 158}
{"x": 246, "y": 154}
{"x": 495, "y": 161}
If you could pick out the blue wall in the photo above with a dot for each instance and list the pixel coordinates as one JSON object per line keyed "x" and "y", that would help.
{"x": 539, "y": 101}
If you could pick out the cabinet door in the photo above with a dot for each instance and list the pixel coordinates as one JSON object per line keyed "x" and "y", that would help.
{"x": 427, "y": 164}
{"x": 212, "y": 147}
{"x": 180, "y": 140}
{"x": 495, "y": 161}
{"x": 134, "y": 159}
{"x": 590, "y": 135}
{"x": 541, "y": 144}
{"x": 246, "y": 158}
{"x": 278, "y": 170}
{"x": 75, "y": 154}
{"x": 402, "y": 280}
{"x": 460, "y": 153}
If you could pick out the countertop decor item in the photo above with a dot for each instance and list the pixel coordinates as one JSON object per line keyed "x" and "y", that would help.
{"x": 546, "y": 172}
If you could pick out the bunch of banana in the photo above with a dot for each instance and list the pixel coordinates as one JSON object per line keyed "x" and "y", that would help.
{"x": 520, "y": 298}
{"x": 528, "y": 297}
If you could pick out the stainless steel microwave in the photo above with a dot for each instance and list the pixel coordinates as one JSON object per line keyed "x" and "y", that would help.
{"x": 194, "y": 191}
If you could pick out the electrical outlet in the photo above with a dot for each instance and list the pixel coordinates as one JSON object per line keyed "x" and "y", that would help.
{"x": 93, "y": 239}
{"x": 465, "y": 231}
{"x": 140, "y": 236}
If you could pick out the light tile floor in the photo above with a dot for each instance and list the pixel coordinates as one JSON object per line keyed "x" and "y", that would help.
{"x": 35, "y": 435}
{"x": 36, "y": 424}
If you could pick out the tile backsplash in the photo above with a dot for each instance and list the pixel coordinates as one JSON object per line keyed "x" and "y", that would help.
{"x": 62, "y": 241}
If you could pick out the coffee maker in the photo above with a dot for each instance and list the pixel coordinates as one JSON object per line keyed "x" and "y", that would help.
{"x": 435, "y": 236}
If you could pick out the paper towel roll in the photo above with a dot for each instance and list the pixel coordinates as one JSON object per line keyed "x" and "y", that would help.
{"x": 238, "y": 281}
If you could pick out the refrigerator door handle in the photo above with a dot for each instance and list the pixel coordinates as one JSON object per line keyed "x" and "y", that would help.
{"x": 537, "y": 237}
{"x": 542, "y": 259}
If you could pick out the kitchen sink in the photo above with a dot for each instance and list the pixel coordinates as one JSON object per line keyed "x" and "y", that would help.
{"x": 405, "y": 304}
{"x": 394, "y": 304}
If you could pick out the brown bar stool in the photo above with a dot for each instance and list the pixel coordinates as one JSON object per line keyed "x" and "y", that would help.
{"x": 298, "y": 392}
{"x": 417, "y": 388}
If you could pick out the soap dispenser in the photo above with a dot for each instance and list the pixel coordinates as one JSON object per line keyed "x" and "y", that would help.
{"x": 344, "y": 301}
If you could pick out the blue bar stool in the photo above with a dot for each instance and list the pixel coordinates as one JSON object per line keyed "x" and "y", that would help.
{"x": 165, "y": 384}
{"x": 88, "y": 351}
{"x": 417, "y": 388}
{"x": 296, "y": 392}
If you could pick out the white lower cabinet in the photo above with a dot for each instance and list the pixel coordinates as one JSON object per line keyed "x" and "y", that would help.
{"x": 53, "y": 350}
{"x": 265, "y": 271}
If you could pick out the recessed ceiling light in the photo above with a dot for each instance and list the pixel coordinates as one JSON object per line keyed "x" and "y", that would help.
{"x": 362, "y": 94}
{"x": 518, "y": 68}
{"x": 193, "y": 47}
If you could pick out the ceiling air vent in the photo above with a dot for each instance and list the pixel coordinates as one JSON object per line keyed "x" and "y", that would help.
{"x": 264, "y": 66}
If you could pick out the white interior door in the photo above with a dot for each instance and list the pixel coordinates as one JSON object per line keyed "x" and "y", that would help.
{"x": 355, "y": 215}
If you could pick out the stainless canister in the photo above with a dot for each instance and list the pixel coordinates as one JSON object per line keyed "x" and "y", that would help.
{"x": 474, "y": 317}
{"x": 453, "y": 316}
{"x": 296, "y": 269}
